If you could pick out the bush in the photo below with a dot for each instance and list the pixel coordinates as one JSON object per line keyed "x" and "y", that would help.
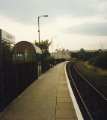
{"x": 100, "y": 60}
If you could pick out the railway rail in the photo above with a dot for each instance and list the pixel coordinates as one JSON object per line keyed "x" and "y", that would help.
{"x": 92, "y": 102}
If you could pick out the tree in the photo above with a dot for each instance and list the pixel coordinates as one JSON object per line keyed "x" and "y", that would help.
{"x": 44, "y": 45}
{"x": 46, "y": 58}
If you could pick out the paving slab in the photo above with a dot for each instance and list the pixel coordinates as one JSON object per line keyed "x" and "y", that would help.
{"x": 45, "y": 99}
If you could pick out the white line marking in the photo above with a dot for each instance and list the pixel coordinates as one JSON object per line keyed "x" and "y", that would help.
{"x": 76, "y": 106}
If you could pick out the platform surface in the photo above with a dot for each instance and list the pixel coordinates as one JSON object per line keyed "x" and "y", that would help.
{"x": 45, "y": 99}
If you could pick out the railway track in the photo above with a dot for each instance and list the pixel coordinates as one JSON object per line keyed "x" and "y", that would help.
{"x": 92, "y": 102}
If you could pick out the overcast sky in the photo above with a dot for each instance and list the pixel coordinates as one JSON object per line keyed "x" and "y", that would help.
{"x": 72, "y": 24}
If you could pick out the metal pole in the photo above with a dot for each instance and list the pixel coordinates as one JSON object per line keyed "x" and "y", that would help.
{"x": 38, "y": 29}
{"x": 39, "y": 26}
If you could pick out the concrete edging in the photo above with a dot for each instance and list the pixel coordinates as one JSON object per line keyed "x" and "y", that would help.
{"x": 76, "y": 106}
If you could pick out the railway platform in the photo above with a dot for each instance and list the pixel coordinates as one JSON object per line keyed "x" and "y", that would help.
{"x": 47, "y": 98}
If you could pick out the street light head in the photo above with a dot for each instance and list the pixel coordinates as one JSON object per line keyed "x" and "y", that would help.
{"x": 45, "y": 15}
{"x": 42, "y": 16}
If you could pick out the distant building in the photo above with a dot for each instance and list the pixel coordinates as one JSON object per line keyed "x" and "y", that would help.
{"x": 59, "y": 54}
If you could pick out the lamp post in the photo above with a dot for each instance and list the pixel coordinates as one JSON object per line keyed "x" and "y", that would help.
{"x": 39, "y": 25}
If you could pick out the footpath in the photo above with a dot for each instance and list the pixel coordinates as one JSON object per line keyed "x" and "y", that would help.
{"x": 45, "y": 99}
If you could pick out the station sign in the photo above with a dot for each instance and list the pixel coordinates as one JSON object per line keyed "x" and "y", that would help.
{"x": 5, "y": 36}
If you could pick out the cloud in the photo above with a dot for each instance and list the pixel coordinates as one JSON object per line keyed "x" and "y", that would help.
{"x": 69, "y": 21}
{"x": 93, "y": 29}
{"x": 26, "y": 10}
{"x": 19, "y": 30}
